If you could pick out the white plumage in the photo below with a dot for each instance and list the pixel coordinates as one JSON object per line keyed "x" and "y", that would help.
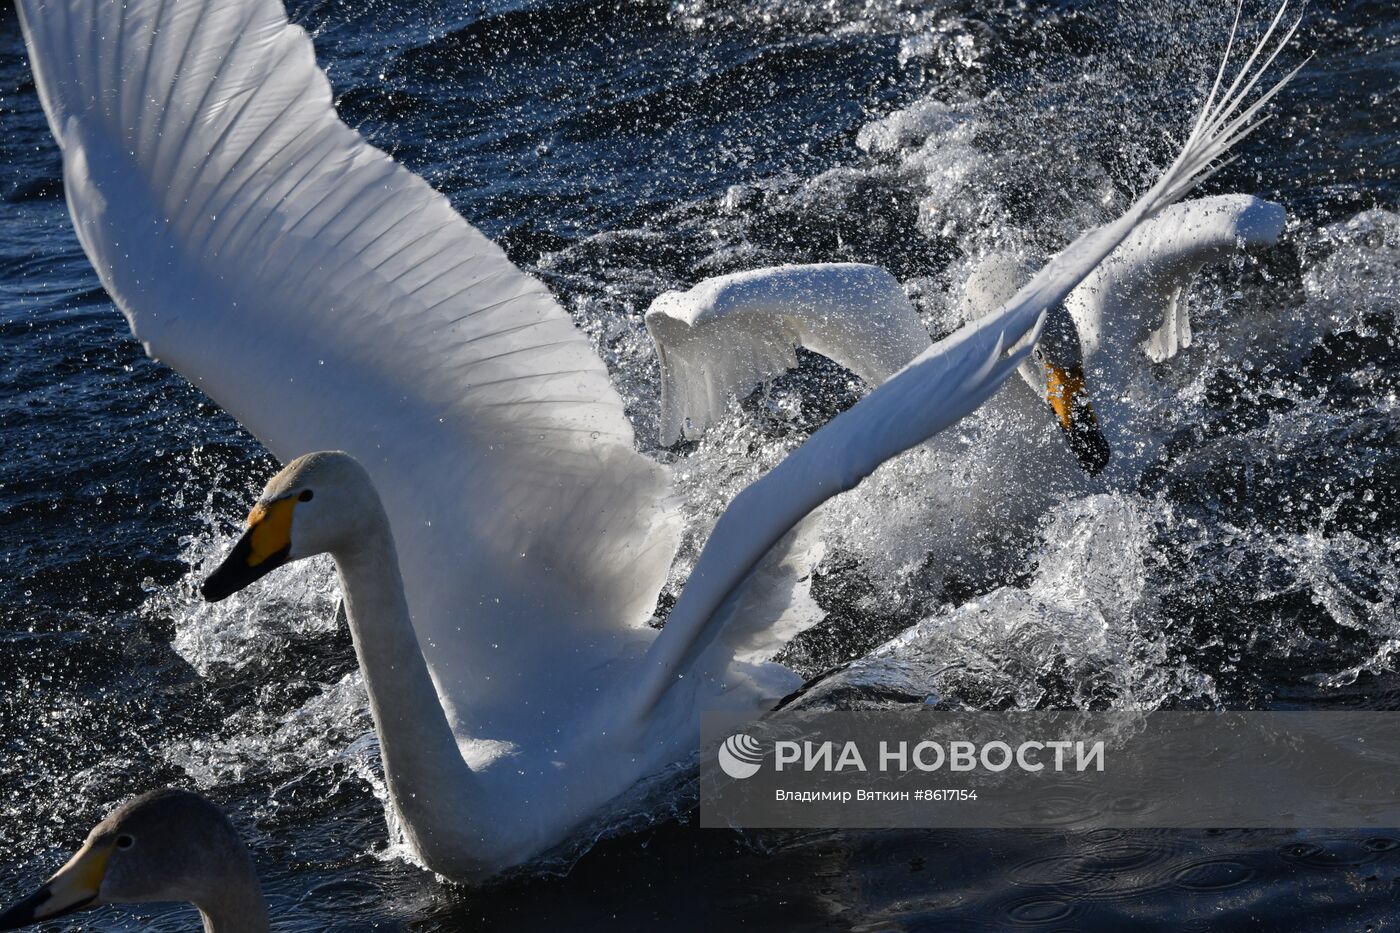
{"x": 728, "y": 334}
{"x": 722, "y": 338}
{"x": 329, "y": 299}
{"x": 1128, "y": 311}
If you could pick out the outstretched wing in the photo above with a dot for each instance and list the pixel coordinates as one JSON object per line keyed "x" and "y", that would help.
{"x": 1143, "y": 281}
{"x": 727, "y": 335}
{"x": 328, "y": 298}
{"x": 945, "y": 383}
{"x": 1134, "y": 295}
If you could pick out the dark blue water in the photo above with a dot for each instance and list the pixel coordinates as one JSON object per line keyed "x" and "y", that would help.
{"x": 618, "y": 150}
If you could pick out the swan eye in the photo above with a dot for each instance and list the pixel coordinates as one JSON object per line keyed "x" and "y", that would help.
{"x": 125, "y": 842}
{"x": 306, "y": 495}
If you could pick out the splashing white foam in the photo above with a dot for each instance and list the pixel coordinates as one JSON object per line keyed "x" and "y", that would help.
{"x": 254, "y": 743}
{"x": 1086, "y": 620}
{"x": 1360, "y": 274}
{"x": 228, "y": 635}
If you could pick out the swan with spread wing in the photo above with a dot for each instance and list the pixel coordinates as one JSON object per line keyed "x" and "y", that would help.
{"x": 499, "y": 541}
{"x": 1089, "y": 412}
{"x": 727, "y": 335}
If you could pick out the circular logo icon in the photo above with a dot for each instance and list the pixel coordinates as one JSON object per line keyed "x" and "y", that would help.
{"x": 740, "y": 756}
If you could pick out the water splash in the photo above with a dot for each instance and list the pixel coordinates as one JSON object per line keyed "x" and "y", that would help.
{"x": 1082, "y": 633}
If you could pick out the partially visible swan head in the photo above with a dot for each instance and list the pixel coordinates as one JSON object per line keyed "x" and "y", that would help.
{"x": 1128, "y": 311}
{"x": 1056, "y": 369}
{"x": 168, "y": 845}
{"x": 321, "y": 503}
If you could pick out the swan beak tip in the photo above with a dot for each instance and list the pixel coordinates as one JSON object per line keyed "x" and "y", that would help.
{"x": 1090, "y": 447}
{"x": 239, "y": 569}
{"x": 76, "y": 885}
{"x": 264, "y": 547}
{"x": 1075, "y": 413}
{"x": 22, "y": 913}
{"x": 212, "y": 591}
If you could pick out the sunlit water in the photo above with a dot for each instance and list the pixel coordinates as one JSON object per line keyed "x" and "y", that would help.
{"x": 618, "y": 150}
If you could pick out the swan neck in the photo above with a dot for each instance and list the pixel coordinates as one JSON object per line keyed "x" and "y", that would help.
{"x": 430, "y": 785}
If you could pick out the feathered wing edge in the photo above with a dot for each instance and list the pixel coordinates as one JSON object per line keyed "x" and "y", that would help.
{"x": 945, "y": 383}
{"x": 328, "y": 298}
{"x": 728, "y": 335}
{"x": 1138, "y": 293}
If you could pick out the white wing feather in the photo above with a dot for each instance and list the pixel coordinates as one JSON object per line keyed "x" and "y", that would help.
{"x": 328, "y": 298}
{"x": 1138, "y": 287}
{"x": 1142, "y": 282}
{"x": 729, "y": 334}
{"x": 943, "y": 384}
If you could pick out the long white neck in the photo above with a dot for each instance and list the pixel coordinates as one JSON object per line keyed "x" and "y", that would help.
{"x": 431, "y": 786}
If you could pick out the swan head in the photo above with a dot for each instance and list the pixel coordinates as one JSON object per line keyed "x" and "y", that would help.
{"x": 1055, "y": 370}
{"x": 168, "y": 845}
{"x": 321, "y": 503}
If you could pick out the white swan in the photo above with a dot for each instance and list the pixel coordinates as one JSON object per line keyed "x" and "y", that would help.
{"x": 982, "y": 487}
{"x": 500, "y": 542}
{"x": 726, "y": 335}
{"x": 1128, "y": 312}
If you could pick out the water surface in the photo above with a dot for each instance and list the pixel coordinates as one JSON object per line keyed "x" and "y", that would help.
{"x": 618, "y": 150}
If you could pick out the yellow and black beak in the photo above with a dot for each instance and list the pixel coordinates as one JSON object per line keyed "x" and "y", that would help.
{"x": 263, "y": 548}
{"x": 73, "y": 887}
{"x": 1064, "y": 389}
